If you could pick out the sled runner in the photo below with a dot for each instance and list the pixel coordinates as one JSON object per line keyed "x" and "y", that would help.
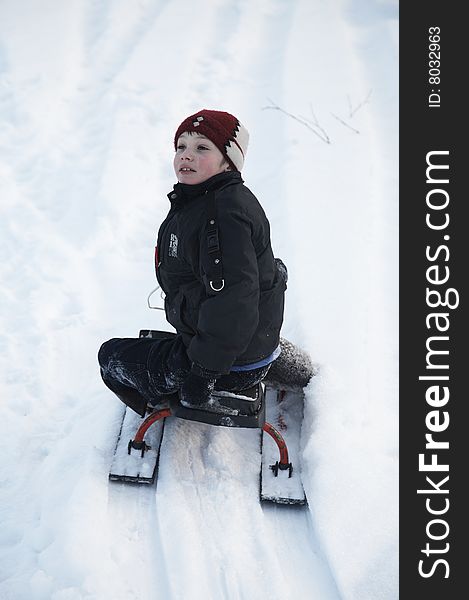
{"x": 134, "y": 466}
{"x": 277, "y": 412}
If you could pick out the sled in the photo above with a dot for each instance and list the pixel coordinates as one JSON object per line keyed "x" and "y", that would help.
{"x": 277, "y": 412}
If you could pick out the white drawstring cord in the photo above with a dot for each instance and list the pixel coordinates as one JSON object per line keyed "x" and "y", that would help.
{"x": 151, "y": 294}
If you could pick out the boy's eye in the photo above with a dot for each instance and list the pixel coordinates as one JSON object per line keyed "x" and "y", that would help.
{"x": 199, "y": 147}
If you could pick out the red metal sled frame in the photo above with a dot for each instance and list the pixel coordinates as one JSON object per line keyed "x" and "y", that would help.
{"x": 283, "y": 464}
{"x": 152, "y": 418}
{"x": 138, "y": 443}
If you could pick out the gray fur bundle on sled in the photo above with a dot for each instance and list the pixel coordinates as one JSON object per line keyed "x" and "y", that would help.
{"x": 292, "y": 370}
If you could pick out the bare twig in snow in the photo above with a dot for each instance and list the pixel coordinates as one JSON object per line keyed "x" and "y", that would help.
{"x": 314, "y": 127}
{"x": 352, "y": 111}
{"x": 344, "y": 123}
{"x": 316, "y": 124}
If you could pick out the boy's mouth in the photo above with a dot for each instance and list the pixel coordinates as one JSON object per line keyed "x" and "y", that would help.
{"x": 186, "y": 170}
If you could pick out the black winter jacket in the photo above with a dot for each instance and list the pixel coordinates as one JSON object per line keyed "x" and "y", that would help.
{"x": 240, "y": 324}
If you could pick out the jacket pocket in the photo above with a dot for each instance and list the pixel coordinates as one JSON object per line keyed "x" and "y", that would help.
{"x": 181, "y": 314}
{"x": 173, "y": 311}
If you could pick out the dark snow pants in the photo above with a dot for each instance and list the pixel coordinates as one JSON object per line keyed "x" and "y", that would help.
{"x": 141, "y": 370}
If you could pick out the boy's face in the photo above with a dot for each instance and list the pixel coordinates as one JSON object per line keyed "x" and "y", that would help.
{"x": 197, "y": 159}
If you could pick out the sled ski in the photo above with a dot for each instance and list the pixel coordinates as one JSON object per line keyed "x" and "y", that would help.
{"x": 281, "y": 483}
{"x": 130, "y": 464}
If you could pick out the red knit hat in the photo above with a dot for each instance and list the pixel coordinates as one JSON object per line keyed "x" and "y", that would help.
{"x": 221, "y": 128}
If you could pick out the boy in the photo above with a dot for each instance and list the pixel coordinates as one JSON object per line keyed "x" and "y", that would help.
{"x": 224, "y": 289}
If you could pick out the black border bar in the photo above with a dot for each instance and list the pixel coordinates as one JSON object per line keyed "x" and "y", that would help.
{"x": 434, "y": 135}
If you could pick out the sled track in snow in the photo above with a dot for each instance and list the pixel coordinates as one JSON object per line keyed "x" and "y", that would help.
{"x": 203, "y": 523}
{"x": 136, "y": 543}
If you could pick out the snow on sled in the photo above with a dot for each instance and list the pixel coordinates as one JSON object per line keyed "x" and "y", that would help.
{"x": 276, "y": 409}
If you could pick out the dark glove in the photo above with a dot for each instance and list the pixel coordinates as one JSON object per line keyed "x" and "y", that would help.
{"x": 198, "y": 386}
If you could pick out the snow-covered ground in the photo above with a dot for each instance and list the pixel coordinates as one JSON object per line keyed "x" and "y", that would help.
{"x": 91, "y": 92}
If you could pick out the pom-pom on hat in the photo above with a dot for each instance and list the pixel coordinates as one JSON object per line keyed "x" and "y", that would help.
{"x": 221, "y": 128}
